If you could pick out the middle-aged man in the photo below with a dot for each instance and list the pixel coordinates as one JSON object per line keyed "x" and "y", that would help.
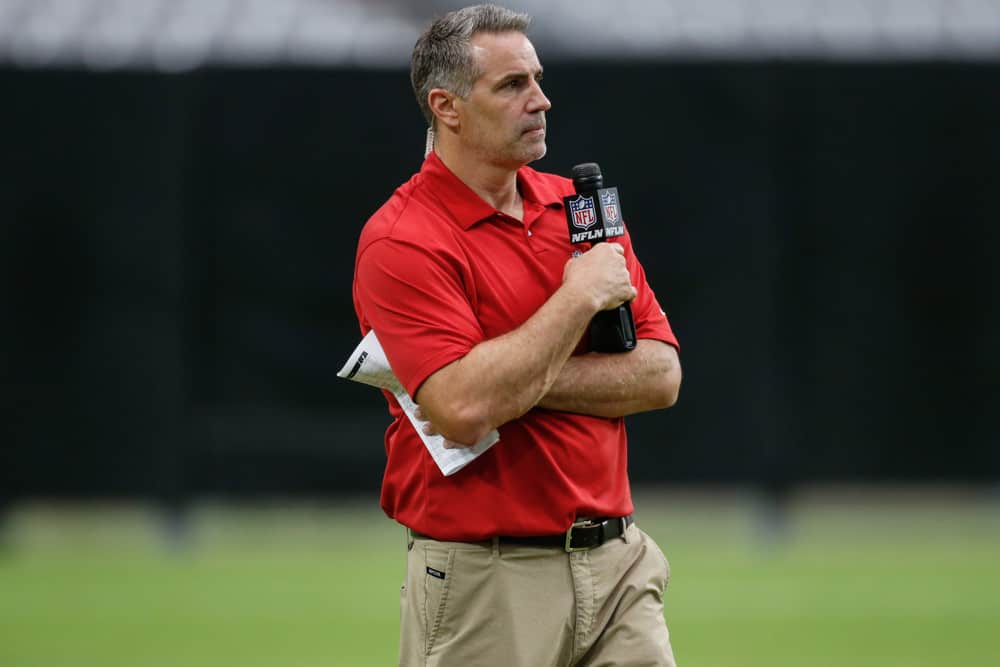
{"x": 528, "y": 556}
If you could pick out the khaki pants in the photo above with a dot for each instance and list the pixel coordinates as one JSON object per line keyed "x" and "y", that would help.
{"x": 488, "y": 605}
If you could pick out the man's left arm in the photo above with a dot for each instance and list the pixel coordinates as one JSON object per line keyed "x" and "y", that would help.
{"x": 615, "y": 385}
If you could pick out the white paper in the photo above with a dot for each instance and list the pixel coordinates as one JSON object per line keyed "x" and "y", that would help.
{"x": 368, "y": 365}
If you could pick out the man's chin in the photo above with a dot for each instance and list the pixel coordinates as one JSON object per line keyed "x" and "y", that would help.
{"x": 535, "y": 152}
{"x": 523, "y": 155}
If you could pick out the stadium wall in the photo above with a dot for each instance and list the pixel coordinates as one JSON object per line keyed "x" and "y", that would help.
{"x": 177, "y": 255}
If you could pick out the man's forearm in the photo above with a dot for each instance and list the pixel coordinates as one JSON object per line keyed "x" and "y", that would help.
{"x": 502, "y": 378}
{"x": 615, "y": 385}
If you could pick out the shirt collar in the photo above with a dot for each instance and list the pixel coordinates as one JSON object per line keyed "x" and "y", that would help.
{"x": 465, "y": 206}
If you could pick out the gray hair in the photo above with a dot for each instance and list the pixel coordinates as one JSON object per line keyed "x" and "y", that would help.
{"x": 442, "y": 56}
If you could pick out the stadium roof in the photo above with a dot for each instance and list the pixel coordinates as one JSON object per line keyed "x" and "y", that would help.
{"x": 175, "y": 35}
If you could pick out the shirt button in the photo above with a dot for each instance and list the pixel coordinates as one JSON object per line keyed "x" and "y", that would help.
{"x": 529, "y": 232}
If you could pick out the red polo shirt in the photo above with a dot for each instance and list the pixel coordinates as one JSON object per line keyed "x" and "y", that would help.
{"x": 438, "y": 271}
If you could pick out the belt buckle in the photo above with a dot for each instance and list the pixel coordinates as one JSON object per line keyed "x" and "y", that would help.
{"x": 579, "y": 523}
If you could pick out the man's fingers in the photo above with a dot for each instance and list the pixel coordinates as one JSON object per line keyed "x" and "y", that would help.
{"x": 451, "y": 444}
{"x": 428, "y": 428}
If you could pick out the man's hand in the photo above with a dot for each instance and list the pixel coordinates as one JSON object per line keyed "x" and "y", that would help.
{"x": 601, "y": 274}
{"x": 502, "y": 378}
{"x": 429, "y": 429}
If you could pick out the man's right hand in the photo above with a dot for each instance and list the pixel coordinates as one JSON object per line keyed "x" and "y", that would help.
{"x": 430, "y": 429}
{"x": 601, "y": 274}
{"x": 502, "y": 378}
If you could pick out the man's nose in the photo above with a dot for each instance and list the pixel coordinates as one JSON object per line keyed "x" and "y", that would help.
{"x": 538, "y": 100}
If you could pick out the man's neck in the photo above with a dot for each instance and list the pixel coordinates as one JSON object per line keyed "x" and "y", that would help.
{"x": 496, "y": 185}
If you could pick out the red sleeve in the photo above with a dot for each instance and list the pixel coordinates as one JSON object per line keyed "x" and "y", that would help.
{"x": 650, "y": 320}
{"x": 414, "y": 297}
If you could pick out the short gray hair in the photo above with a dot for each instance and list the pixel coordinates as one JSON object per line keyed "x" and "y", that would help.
{"x": 442, "y": 56}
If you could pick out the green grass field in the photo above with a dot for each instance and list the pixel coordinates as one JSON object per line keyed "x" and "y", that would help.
{"x": 879, "y": 579}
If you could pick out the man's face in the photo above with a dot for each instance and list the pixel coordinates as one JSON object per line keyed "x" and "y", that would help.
{"x": 502, "y": 119}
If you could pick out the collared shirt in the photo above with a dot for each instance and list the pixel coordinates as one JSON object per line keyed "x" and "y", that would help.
{"x": 438, "y": 271}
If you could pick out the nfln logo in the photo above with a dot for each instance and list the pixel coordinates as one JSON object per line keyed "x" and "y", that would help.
{"x": 582, "y": 213}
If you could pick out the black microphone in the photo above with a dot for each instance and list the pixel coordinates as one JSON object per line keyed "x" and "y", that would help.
{"x": 594, "y": 215}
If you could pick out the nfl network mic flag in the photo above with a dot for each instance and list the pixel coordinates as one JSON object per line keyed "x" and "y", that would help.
{"x": 589, "y": 222}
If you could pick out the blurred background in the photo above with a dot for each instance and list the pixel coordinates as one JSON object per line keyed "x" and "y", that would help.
{"x": 812, "y": 186}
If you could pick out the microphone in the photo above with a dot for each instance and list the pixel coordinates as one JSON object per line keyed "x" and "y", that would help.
{"x": 594, "y": 215}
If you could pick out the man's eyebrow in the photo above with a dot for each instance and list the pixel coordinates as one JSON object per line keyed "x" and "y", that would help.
{"x": 521, "y": 74}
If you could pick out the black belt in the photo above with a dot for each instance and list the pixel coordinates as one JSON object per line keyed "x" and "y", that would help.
{"x": 584, "y": 534}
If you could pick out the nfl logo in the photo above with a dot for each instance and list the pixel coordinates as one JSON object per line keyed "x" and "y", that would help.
{"x": 582, "y": 211}
{"x": 609, "y": 203}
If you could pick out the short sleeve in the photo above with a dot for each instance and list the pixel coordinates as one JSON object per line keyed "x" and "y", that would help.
{"x": 416, "y": 300}
{"x": 650, "y": 318}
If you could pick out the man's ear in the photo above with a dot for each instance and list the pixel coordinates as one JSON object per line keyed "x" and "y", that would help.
{"x": 442, "y": 104}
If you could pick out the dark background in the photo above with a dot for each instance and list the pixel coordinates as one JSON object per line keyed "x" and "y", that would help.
{"x": 177, "y": 252}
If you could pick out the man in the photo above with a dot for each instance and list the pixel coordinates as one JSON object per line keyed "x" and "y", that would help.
{"x": 468, "y": 278}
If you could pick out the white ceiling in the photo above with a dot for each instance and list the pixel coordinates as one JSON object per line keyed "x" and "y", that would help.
{"x": 175, "y": 35}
